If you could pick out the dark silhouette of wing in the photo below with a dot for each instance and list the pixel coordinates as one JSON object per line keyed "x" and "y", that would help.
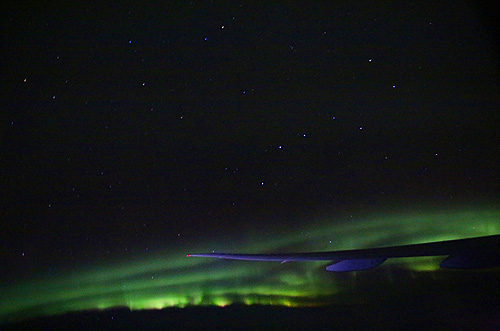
{"x": 470, "y": 253}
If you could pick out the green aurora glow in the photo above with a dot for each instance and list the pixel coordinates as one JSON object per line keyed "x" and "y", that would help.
{"x": 169, "y": 279}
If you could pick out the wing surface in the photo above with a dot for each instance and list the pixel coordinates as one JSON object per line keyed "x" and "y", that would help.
{"x": 479, "y": 252}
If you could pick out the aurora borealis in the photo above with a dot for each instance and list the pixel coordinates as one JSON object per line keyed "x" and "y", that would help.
{"x": 167, "y": 279}
{"x": 133, "y": 134}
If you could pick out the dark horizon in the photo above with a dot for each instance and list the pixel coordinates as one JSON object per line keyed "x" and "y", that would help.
{"x": 134, "y": 135}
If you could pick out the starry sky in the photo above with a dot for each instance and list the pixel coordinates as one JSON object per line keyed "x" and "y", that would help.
{"x": 133, "y": 135}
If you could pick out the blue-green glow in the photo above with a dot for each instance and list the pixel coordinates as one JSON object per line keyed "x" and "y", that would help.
{"x": 169, "y": 279}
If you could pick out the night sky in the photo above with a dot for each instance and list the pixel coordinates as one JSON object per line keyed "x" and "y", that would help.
{"x": 132, "y": 135}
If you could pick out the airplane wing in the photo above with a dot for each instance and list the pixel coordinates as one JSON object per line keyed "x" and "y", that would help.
{"x": 470, "y": 253}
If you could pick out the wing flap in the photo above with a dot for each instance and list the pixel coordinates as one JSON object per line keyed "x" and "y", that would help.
{"x": 355, "y": 265}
